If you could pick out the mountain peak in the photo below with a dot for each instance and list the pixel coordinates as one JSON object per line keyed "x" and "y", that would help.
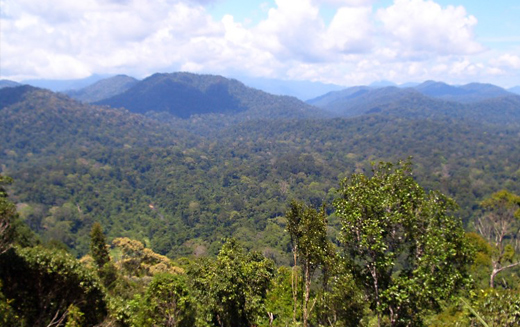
{"x": 183, "y": 95}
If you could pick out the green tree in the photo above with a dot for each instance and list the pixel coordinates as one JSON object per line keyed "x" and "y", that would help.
{"x": 401, "y": 243}
{"x": 98, "y": 246}
{"x": 340, "y": 302}
{"x": 500, "y": 226}
{"x": 232, "y": 289}
{"x": 308, "y": 230}
{"x": 12, "y": 229}
{"x": 44, "y": 283}
{"x": 279, "y": 301}
{"x": 167, "y": 302}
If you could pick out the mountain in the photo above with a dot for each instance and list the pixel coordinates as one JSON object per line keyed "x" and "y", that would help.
{"x": 184, "y": 95}
{"x": 39, "y": 123}
{"x": 383, "y": 83}
{"x": 360, "y": 100}
{"x": 439, "y": 89}
{"x": 330, "y": 98}
{"x": 152, "y": 180}
{"x": 468, "y": 93}
{"x": 515, "y": 90}
{"x": 8, "y": 83}
{"x": 415, "y": 103}
{"x": 64, "y": 85}
{"x": 103, "y": 89}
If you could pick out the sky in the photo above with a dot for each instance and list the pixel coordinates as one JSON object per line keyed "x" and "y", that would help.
{"x": 344, "y": 42}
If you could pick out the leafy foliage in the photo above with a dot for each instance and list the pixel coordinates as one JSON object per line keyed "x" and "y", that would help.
{"x": 232, "y": 289}
{"x": 500, "y": 226}
{"x": 167, "y": 302}
{"x": 98, "y": 246}
{"x": 400, "y": 242}
{"x": 43, "y": 283}
{"x": 308, "y": 230}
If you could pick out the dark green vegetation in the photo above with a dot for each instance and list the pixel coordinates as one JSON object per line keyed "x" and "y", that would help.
{"x": 162, "y": 187}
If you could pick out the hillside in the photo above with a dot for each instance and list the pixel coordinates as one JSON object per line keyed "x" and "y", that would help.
{"x": 327, "y": 100}
{"x": 357, "y": 101}
{"x": 184, "y": 95}
{"x": 468, "y": 93}
{"x": 154, "y": 180}
{"x": 103, "y": 89}
{"x": 410, "y": 103}
{"x": 39, "y": 123}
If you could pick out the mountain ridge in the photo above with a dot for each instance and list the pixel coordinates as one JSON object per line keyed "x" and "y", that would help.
{"x": 185, "y": 94}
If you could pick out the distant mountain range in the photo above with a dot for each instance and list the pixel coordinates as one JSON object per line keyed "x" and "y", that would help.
{"x": 84, "y": 90}
{"x": 482, "y": 102}
{"x": 184, "y": 95}
{"x": 58, "y": 85}
{"x": 472, "y": 92}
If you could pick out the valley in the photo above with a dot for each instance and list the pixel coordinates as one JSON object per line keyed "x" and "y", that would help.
{"x": 181, "y": 161}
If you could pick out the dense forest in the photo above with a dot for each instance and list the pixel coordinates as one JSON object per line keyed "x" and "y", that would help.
{"x": 265, "y": 211}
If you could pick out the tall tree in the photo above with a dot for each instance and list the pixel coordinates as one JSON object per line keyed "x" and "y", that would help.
{"x": 402, "y": 245}
{"x": 308, "y": 230}
{"x": 500, "y": 226}
{"x": 98, "y": 246}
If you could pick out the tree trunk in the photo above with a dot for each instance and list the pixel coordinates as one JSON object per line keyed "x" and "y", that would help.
{"x": 496, "y": 270}
{"x": 306, "y": 296}
{"x": 492, "y": 278}
{"x": 373, "y": 272}
{"x": 295, "y": 285}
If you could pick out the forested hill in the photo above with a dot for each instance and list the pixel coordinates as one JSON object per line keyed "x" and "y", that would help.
{"x": 468, "y": 93}
{"x": 189, "y": 208}
{"x": 155, "y": 181}
{"x": 503, "y": 108}
{"x": 184, "y": 95}
{"x": 38, "y": 123}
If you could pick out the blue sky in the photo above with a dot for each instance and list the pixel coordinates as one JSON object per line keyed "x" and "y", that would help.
{"x": 345, "y": 42}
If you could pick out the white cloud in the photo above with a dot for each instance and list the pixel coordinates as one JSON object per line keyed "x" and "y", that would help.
{"x": 423, "y": 28}
{"x": 351, "y": 30}
{"x": 408, "y": 40}
{"x": 508, "y": 61}
{"x": 292, "y": 31}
